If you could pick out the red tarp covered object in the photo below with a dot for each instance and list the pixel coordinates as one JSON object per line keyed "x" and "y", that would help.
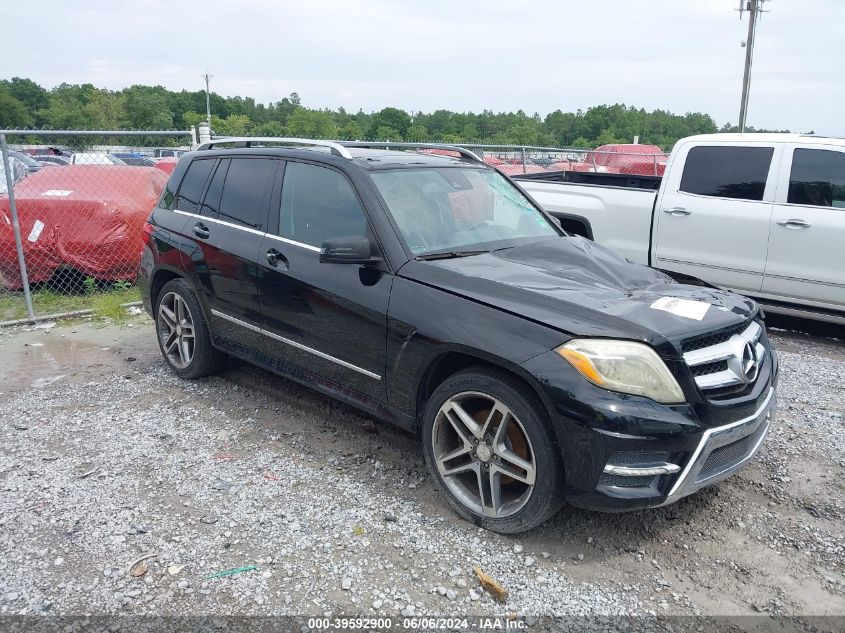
{"x": 85, "y": 217}
{"x": 622, "y": 159}
{"x": 516, "y": 170}
{"x": 166, "y": 164}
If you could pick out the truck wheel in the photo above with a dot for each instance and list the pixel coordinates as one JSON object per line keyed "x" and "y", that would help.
{"x": 489, "y": 444}
{"x": 182, "y": 332}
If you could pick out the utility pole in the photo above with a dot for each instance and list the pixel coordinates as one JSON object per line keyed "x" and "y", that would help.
{"x": 207, "y": 78}
{"x": 754, "y": 8}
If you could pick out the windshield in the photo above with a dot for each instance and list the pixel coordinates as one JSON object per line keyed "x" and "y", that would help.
{"x": 443, "y": 209}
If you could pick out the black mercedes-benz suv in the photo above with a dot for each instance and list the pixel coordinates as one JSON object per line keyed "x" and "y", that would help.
{"x": 429, "y": 290}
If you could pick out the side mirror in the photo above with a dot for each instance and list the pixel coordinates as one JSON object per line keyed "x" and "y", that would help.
{"x": 355, "y": 249}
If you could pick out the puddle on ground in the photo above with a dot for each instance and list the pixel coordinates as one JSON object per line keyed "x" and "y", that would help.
{"x": 31, "y": 358}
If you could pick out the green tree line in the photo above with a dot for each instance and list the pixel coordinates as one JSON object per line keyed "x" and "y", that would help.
{"x": 25, "y": 104}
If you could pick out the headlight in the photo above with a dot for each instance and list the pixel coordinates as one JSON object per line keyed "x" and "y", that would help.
{"x": 623, "y": 366}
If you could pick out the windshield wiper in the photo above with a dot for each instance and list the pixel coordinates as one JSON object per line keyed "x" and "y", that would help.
{"x": 448, "y": 255}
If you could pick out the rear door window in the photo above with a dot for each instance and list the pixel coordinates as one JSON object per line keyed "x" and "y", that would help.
{"x": 817, "y": 178}
{"x": 193, "y": 183}
{"x": 211, "y": 202}
{"x": 319, "y": 204}
{"x": 727, "y": 172}
{"x": 246, "y": 192}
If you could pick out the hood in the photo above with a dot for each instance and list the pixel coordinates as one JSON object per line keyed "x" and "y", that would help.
{"x": 580, "y": 288}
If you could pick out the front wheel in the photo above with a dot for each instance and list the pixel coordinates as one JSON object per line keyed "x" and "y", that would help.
{"x": 489, "y": 444}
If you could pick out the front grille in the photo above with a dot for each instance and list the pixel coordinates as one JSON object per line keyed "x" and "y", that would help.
{"x": 622, "y": 481}
{"x": 726, "y": 393}
{"x": 709, "y": 368}
{"x": 722, "y": 363}
{"x": 729, "y": 455}
{"x": 712, "y": 338}
{"x": 638, "y": 458}
{"x": 724, "y": 457}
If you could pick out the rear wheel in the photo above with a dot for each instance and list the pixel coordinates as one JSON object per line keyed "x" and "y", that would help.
{"x": 488, "y": 442}
{"x": 183, "y": 335}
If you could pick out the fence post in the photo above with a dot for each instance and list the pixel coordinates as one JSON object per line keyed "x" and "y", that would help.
{"x": 524, "y": 170}
{"x": 16, "y": 227}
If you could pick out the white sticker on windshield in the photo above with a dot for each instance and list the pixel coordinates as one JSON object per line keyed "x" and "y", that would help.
{"x": 60, "y": 193}
{"x": 682, "y": 307}
{"x": 35, "y": 233}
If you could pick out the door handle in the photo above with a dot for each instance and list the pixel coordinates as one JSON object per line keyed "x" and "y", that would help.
{"x": 201, "y": 230}
{"x": 274, "y": 258}
{"x": 677, "y": 211}
{"x": 794, "y": 223}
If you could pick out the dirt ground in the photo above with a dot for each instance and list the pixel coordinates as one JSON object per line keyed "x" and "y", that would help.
{"x": 105, "y": 457}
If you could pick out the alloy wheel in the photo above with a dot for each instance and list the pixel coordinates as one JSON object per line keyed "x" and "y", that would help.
{"x": 483, "y": 454}
{"x": 176, "y": 330}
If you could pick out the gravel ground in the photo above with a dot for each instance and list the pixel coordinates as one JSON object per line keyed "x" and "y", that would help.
{"x": 106, "y": 458}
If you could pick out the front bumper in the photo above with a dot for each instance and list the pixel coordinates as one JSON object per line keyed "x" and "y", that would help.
{"x": 624, "y": 452}
{"x": 724, "y": 450}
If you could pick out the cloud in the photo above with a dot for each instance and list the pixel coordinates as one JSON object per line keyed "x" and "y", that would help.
{"x": 460, "y": 55}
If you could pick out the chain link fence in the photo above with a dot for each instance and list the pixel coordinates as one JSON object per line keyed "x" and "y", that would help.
{"x": 72, "y": 209}
{"x": 73, "y": 205}
{"x": 628, "y": 159}
{"x": 513, "y": 160}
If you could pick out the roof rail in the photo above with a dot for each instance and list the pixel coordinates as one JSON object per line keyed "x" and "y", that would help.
{"x": 387, "y": 144}
{"x": 247, "y": 141}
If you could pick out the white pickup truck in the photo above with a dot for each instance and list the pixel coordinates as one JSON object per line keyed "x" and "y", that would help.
{"x": 762, "y": 214}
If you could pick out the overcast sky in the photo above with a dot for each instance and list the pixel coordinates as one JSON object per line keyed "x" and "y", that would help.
{"x": 463, "y": 55}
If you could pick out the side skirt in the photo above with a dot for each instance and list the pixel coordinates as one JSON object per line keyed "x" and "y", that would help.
{"x": 322, "y": 385}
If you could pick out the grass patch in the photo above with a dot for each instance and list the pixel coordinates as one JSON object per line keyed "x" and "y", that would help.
{"x": 105, "y": 302}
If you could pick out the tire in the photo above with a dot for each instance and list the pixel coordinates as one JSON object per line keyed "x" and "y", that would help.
{"x": 468, "y": 478}
{"x": 190, "y": 357}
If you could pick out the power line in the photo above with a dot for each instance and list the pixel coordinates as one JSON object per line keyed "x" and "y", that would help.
{"x": 754, "y": 8}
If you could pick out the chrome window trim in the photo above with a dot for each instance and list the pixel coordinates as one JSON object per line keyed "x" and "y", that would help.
{"x": 287, "y": 240}
{"x": 300, "y": 346}
{"x": 801, "y": 205}
{"x": 232, "y": 225}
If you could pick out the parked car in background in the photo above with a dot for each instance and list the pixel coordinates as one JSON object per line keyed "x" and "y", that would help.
{"x": 161, "y": 152}
{"x": 94, "y": 158}
{"x": 50, "y": 150}
{"x": 762, "y": 214}
{"x": 29, "y": 162}
{"x": 19, "y": 172}
{"x": 135, "y": 159}
{"x": 52, "y": 159}
{"x": 87, "y": 218}
{"x": 431, "y": 292}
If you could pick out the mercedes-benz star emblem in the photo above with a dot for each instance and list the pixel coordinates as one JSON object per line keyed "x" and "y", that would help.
{"x": 750, "y": 364}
